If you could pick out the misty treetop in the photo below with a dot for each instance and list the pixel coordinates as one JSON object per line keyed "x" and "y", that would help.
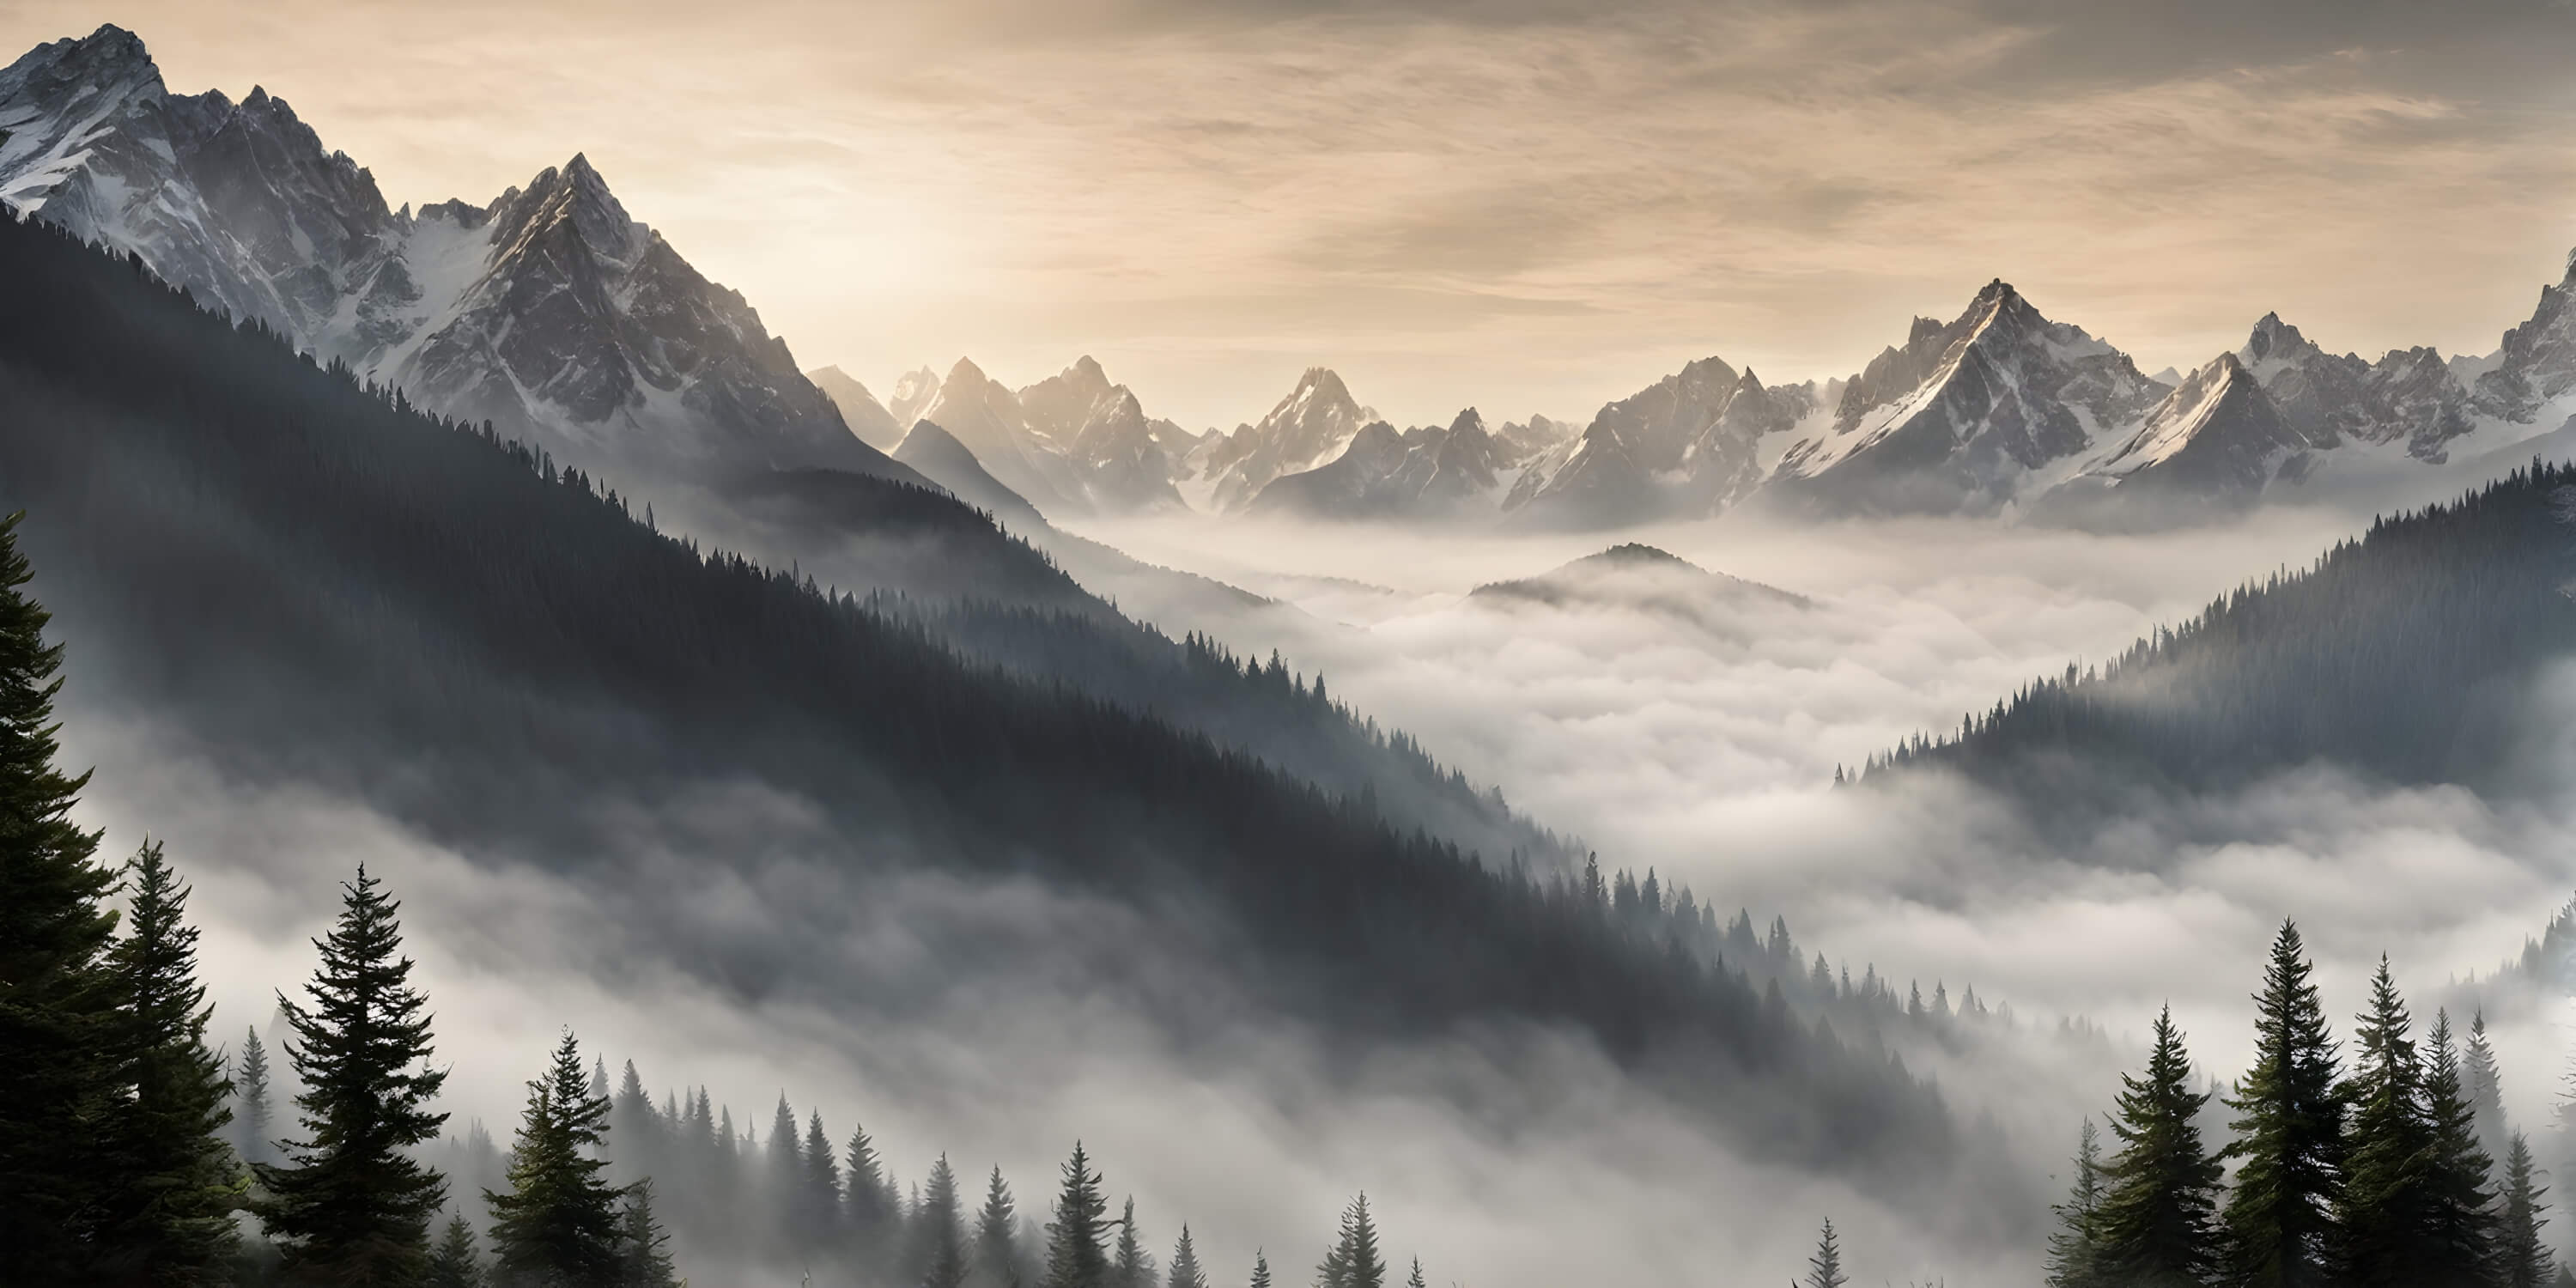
{"x": 364, "y": 589}
{"x": 2350, "y": 1172}
{"x": 2401, "y": 655}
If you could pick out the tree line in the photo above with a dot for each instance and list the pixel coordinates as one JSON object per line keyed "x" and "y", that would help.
{"x": 2397, "y": 1170}
{"x": 118, "y": 1165}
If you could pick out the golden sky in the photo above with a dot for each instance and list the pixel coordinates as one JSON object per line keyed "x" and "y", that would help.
{"x": 1525, "y": 205}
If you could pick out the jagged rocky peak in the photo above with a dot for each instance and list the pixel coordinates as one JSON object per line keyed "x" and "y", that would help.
{"x": 2217, "y": 436}
{"x": 2536, "y": 365}
{"x": 575, "y": 198}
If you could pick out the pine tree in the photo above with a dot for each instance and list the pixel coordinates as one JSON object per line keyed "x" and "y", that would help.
{"x": 57, "y": 996}
{"x": 940, "y": 1230}
{"x": 1414, "y": 1280}
{"x": 1075, "y": 1258}
{"x": 1354, "y": 1261}
{"x": 2384, "y": 1205}
{"x": 1824, "y": 1270}
{"x": 2155, "y": 1226}
{"x": 454, "y": 1263}
{"x": 2460, "y": 1227}
{"x": 2074, "y": 1250}
{"x": 350, "y": 1205}
{"x": 822, "y": 1184}
{"x": 2523, "y": 1260}
{"x": 559, "y": 1222}
{"x": 790, "y": 1212}
{"x": 2279, "y": 1221}
{"x": 250, "y": 1095}
{"x": 170, "y": 1206}
{"x": 643, "y": 1251}
{"x": 1131, "y": 1267}
{"x": 1185, "y": 1271}
{"x": 2486, "y": 1088}
{"x": 997, "y": 1243}
{"x": 1260, "y": 1269}
{"x": 869, "y": 1196}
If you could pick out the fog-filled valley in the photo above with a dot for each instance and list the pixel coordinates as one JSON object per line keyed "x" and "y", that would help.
{"x": 1614, "y": 849}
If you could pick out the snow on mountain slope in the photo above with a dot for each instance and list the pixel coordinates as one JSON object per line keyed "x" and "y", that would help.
{"x": 1964, "y": 416}
{"x": 1308, "y": 428}
{"x": 551, "y": 313}
{"x": 1424, "y": 473}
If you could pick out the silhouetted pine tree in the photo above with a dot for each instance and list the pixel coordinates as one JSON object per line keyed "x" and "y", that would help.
{"x": 57, "y": 997}
{"x": 2523, "y": 1259}
{"x": 643, "y": 1252}
{"x": 558, "y": 1224}
{"x": 786, "y": 1192}
{"x": 1354, "y": 1261}
{"x": 350, "y": 1205}
{"x": 939, "y": 1229}
{"x": 2461, "y": 1217}
{"x": 820, "y": 1191}
{"x": 997, "y": 1237}
{"x": 167, "y": 1213}
{"x": 1414, "y": 1280}
{"x": 1185, "y": 1271}
{"x": 1130, "y": 1266}
{"x": 870, "y": 1199}
{"x": 2279, "y": 1220}
{"x": 1260, "y": 1269}
{"x": 2155, "y": 1226}
{"x": 2074, "y": 1249}
{"x": 2386, "y": 1200}
{"x": 454, "y": 1263}
{"x": 1075, "y": 1258}
{"x": 1824, "y": 1270}
{"x": 251, "y": 1111}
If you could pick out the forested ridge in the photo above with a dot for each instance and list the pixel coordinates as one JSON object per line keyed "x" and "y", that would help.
{"x": 2405, "y": 655}
{"x": 320, "y": 585}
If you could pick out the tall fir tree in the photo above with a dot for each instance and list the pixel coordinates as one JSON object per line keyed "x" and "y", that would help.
{"x": 940, "y": 1230}
{"x": 167, "y": 1214}
{"x": 2460, "y": 1214}
{"x": 789, "y": 1202}
{"x": 2156, "y": 1226}
{"x": 252, "y": 1113}
{"x": 2074, "y": 1248}
{"x": 2523, "y": 1257}
{"x": 350, "y": 1205}
{"x": 455, "y": 1262}
{"x": 2279, "y": 1219}
{"x": 1075, "y": 1257}
{"x": 57, "y": 996}
{"x": 1185, "y": 1271}
{"x": 1824, "y": 1270}
{"x": 1129, "y": 1266}
{"x": 997, "y": 1236}
{"x": 821, "y": 1188}
{"x": 558, "y": 1223}
{"x": 1354, "y": 1261}
{"x": 2384, "y": 1206}
{"x": 643, "y": 1250}
{"x": 869, "y": 1198}
{"x": 1260, "y": 1269}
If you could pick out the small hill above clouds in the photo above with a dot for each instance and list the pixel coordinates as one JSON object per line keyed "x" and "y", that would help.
{"x": 1644, "y": 578}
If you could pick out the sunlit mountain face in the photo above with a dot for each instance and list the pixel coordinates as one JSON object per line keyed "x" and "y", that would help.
{"x": 981, "y": 645}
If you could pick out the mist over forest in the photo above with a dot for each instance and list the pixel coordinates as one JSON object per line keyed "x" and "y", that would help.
{"x": 507, "y": 779}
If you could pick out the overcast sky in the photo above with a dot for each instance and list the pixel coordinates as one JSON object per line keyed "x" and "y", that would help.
{"x": 1530, "y": 205}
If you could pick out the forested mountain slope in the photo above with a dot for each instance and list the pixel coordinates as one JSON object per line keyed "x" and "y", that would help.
{"x": 306, "y": 583}
{"x": 2408, "y": 655}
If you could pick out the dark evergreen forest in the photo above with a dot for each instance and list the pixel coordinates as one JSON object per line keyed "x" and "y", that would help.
{"x": 307, "y": 581}
{"x": 2407, "y": 656}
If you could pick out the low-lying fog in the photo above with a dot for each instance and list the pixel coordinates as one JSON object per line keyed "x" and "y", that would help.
{"x": 1696, "y": 738}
